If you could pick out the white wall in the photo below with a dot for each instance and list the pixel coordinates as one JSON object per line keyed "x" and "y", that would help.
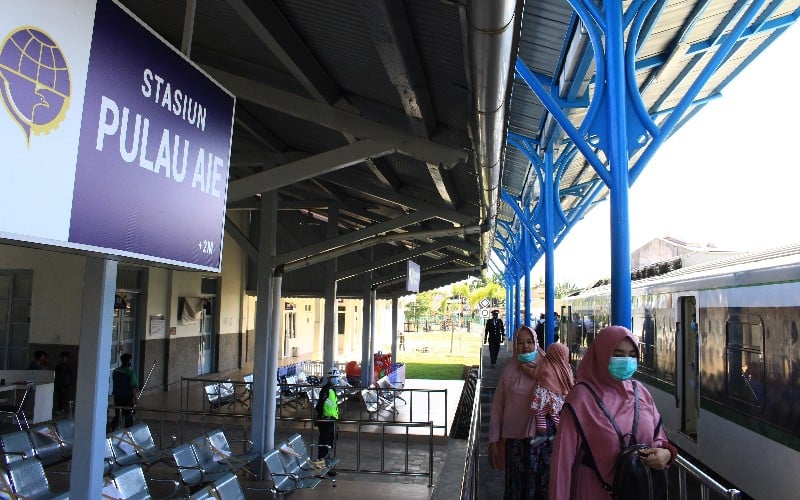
{"x": 57, "y": 292}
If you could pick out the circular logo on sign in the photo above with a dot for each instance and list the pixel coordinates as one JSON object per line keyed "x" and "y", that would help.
{"x": 34, "y": 80}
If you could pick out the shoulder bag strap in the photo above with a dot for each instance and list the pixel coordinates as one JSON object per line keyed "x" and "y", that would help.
{"x": 632, "y": 439}
{"x": 608, "y": 414}
{"x": 588, "y": 458}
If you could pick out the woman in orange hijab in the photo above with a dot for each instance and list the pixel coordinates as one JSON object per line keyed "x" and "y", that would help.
{"x": 553, "y": 380}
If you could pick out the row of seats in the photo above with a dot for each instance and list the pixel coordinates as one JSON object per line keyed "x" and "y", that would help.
{"x": 26, "y": 479}
{"x": 291, "y": 468}
{"x": 207, "y": 466}
{"x": 49, "y": 443}
{"x": 209, "y": 458}
{"x": 228, "y": 393}
{"x": 134, "y": 446}
{"x": 27, "y": 453}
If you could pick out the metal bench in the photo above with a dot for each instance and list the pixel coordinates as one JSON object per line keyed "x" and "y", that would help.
{"x": 129, "y": 483}
{"x": 16, "y": 446}
{"x": 290, "y": 393}
{"x": 145, "y": 446}
{"x": 298, "y": 457}
{"x": 27, "y": 479}
{"x": 213, "y": 449}
{"x": 283, "y": 480}
{"x": 192, "y": 474}
{"x": 226, "y": 487}
{"x": 220, "y": 394}
{"x": 47, "y": 444}
{"x": 376, "y": 402}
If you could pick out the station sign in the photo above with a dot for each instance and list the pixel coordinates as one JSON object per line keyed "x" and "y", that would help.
{"x": 114, "y": 143}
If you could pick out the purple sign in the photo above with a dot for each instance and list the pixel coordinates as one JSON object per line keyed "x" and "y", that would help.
{"x": 154, "y": 150}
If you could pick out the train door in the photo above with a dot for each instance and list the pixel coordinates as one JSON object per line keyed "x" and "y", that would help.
{"x": 568, "y": 333}
{"x": 688, "y": 366}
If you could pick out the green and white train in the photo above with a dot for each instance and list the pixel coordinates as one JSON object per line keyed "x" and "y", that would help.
{"x": 719, "y": 351}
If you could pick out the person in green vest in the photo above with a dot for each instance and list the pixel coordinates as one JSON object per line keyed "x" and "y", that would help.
{"x": 327, "y": 413}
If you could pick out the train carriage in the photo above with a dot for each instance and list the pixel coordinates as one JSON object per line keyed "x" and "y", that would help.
{"x": 719, "y": 351}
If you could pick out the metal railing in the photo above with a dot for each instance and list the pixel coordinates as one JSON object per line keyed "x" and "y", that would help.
{"x": 295, "y": 399}
{"x": 165, "y": 422}
{"x": 707, "y": 483}
{"x": 469, "y": 482}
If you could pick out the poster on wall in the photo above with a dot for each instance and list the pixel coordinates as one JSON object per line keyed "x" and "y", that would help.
{"x": 115, "y": 143}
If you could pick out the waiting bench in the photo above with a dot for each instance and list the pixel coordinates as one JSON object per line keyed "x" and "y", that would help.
{"x": 220, "y": 394}
{"x": 297, "y": 456}
{"x": 208, "y": 458}
{"x": 42, "y": 442}
{"x": 284, "y": 481}
{"x": 135, "y": 446}
{"x": 129, "y": 483}
{"x": 27, "y": 479}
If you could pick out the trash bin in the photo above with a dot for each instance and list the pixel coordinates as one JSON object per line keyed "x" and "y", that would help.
{"x": 294, "y": 352}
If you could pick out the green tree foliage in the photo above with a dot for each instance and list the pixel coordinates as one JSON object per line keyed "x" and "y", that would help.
{"x": 565, "y": 289}
{"x": 492, "y": 291}
{"x": 420, "y": 308}
{"x": 460, "y": 290}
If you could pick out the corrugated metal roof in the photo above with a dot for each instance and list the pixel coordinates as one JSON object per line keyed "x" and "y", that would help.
{"x": 680, "y": 44}
{"x": 315, "y": 78}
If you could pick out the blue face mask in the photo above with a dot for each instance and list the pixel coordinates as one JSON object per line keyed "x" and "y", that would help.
{"x": 527, "y": 357}
{"x": 622, "y": 367}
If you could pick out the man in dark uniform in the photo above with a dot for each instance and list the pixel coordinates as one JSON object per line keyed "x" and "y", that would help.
{"x": 494, "y": 335}
{"x": 126, "y": 388}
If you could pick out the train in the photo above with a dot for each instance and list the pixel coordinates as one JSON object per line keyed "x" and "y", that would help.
{"x": 719, "y": 351}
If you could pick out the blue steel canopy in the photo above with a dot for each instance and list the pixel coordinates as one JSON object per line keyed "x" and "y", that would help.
{"x": 586, "y": 70}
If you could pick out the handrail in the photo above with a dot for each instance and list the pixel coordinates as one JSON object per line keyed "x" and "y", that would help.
{"x": 469, "y": 481}
{"x": 237, "y": 402}
{"x": 704, "y": 479}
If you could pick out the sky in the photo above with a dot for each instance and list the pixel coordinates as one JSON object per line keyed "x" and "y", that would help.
{"x": 729, "y": 177}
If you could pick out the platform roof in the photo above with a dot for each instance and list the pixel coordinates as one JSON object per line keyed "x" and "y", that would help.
{"x": 379, "y": 109}
{"x": 678, "y": 44}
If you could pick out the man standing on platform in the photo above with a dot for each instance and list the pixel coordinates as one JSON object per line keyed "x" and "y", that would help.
{"x": 494, "y": 335}
{"x": 125, "y": 389}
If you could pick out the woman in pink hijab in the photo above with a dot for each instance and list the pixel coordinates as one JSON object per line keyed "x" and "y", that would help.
{"x": 509, "y": 446}
{"x": 606, "y": 368}
{"x": 553, "y": 380}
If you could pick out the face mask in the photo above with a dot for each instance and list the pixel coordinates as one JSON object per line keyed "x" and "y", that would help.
{"x": 527, "y": 357}
{"x": 622, "y": 367}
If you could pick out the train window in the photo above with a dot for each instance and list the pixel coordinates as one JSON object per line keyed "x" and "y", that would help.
{"x": 744, "y": 359}
{"x": 647, "y": 343}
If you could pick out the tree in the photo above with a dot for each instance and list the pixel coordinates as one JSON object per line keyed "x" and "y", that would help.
{"x": 420, "y": 308}
{"x": 565, "y": 289}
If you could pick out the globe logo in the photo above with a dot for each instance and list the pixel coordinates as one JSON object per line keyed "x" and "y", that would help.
{"x": 34, "y": 80}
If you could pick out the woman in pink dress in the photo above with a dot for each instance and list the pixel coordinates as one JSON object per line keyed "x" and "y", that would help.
{"x": 509, "y": 446}
{"x": 606, "y": 369}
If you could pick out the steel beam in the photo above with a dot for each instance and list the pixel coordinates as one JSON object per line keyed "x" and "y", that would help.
{"x": 307, "y": 168}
